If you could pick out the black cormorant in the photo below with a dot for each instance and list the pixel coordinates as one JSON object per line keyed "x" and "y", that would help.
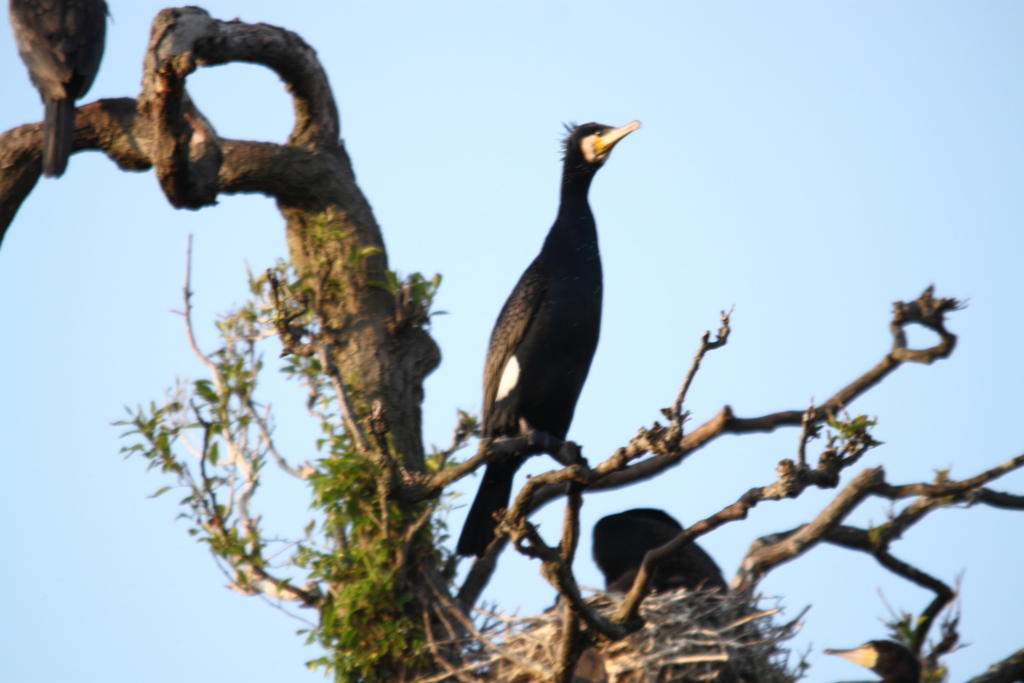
{"x": 546, "y": 333}
{"x": 621, "y": 541}
{"x": 893, "y": 662}
{"x": 61, "y": 42}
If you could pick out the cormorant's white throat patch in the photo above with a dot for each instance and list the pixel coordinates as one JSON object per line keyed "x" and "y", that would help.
{"x": 508, "y": 378}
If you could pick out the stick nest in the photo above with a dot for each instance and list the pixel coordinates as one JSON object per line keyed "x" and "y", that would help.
{"x": 688, "y": 636}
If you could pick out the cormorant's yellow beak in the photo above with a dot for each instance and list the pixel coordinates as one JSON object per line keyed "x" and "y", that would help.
{"x": 865, "y": 655}
{"x": 604, "y": 143}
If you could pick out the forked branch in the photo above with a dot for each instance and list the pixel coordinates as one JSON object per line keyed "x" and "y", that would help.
{"x": 668, "y": 452}
{"x": 669, "y": 446}
{"x": 675, "y": 413}
{"x": 771, "y": 551}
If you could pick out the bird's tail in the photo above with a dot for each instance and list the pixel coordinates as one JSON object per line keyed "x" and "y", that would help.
{"x": 58, "y": 134}
{"x": 495, "y": 490}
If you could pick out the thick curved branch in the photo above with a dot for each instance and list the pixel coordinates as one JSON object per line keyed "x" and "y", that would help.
{"x": 186, "y": 150}
{"x": 164, "y": 129}
{"x": 758, "y": 562}
{"x": 1010, "y": 670}
{"x": 943, "y": 593}
{"x": 115, "y": 127}
{"x": 110, "y": 125}
{"x": 212, "y": 42}
{"x": 865, "y": 541}
{"x": 289, "y": 56}
{"x": 999, "y": 499}
{"x": 328, "y": 218}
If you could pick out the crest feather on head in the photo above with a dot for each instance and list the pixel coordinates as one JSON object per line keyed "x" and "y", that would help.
{"x": 569, "y": 128}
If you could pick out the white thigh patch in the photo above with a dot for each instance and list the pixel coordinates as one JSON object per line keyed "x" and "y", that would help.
{"x": 508, "y": 378}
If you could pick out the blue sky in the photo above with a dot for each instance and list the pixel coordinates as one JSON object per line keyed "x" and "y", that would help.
{"x": 809, "y": 163}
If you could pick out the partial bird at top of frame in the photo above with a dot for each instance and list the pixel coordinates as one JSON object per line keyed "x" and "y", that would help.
{"x": 61, "y": 42}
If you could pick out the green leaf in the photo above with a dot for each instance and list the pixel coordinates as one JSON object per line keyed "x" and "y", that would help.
{"x": 160, "y": 492}
{"x": 205, "y": 390}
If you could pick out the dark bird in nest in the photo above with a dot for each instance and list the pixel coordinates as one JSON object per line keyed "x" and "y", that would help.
{"x": 61, "y": 42}
{"x": 893, "y": 662}
{"x": 546, "y": 333}
{"x": 621, "y": 541}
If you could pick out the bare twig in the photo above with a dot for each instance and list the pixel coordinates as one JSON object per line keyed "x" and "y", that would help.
{"x": 957, "y": 489}
{"x": 808, "y": 431}
{"x": 570, "y": 648}
{"x": 450, "y": 668}
{"x": 464, "y": 430}
{"x": 466, "y": 623}
{"x": 187, "y": 315}
{"x": 261, "y": 421}
{"x": 348, "y": 413}
{"x": 403, "y": 560}
{"x": 675, "y": 414}
{"x": 258, "y": 580}
{"x": 480, "y": 573}
{"x": 950, "y": 634}
{"x": 529, "y": 542}
{"x": 280, "y": 608}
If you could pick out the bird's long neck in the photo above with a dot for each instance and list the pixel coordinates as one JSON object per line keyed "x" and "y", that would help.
{"x": 574, "y": 231}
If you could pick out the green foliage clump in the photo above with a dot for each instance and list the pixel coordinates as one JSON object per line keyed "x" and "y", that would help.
{"x": 368, "y": 623}
{"x": 351, "y": 560}
{"x": 414, "y": 296}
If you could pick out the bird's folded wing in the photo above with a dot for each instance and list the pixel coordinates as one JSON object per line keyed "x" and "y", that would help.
{"x": 60, "y": 46}
{"x": 509, "y": 330}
